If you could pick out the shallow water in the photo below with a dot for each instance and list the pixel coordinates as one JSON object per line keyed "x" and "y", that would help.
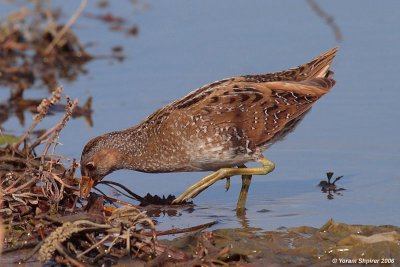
{"x": 183, "y": 45}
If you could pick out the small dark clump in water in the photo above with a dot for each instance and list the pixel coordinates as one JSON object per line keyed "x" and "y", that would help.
{"x": 330, "y": 187}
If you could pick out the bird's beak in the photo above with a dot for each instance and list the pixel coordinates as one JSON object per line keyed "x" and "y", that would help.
{"x": 85, "y": 186}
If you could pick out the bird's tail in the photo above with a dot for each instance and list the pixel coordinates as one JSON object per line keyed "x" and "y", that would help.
{"x": 319, "y": 67}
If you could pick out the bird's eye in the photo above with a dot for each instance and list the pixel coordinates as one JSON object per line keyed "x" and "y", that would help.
{"x": 90, "y": 165}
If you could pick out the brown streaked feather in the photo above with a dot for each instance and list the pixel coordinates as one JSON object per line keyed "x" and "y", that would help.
{"x": 313, "y": 87}
{"x": 260, "y": 110}
{"x": 314, "y": 68}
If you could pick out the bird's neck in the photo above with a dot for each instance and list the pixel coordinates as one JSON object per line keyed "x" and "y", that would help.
{"x": 130, "y": 145}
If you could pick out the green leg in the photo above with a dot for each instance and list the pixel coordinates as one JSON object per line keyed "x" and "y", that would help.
{"x": 241, "y": 203}
{"x": 197, "y": 188}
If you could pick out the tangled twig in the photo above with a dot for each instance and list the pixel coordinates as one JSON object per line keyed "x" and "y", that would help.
{"x": 69, "y": 107}
{"x": 62, "y": 234}
{"x": 123, "y": 229}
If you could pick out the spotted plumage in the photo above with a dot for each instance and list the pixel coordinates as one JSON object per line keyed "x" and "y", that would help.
{"x": 220, "y": 125}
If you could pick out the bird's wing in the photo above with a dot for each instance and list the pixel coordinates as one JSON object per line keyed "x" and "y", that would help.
{"x": 259, "y": 110}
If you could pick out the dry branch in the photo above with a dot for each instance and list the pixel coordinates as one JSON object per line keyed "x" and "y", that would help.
{"x": 66, "y": 27}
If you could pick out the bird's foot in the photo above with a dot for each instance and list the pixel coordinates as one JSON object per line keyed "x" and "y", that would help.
{"x": 197, "y": 188}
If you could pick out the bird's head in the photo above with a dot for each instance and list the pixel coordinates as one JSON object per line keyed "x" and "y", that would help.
{"x": 97, "y": 161}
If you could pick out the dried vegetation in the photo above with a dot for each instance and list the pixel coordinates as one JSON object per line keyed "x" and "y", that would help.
{"x": 42, "y": 210}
